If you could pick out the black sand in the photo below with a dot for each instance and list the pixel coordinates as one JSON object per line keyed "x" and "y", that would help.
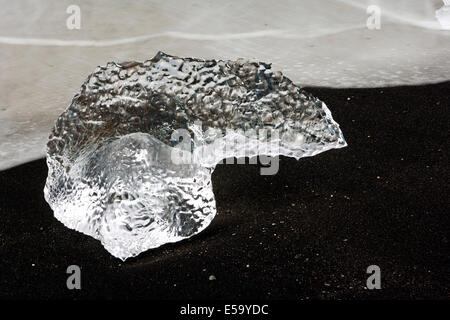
{"x": 308, "y": 232}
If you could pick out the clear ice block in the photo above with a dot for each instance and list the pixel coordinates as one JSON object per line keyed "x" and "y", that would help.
{"x": 113, "y": 154}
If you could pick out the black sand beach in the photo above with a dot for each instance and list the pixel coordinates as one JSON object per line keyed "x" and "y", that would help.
{"x": 308, "y": 232}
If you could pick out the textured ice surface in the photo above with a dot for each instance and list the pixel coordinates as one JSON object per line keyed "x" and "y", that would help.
{"x": 112, "y": 171}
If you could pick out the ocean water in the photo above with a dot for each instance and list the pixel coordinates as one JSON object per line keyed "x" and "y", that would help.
{"x": 333, "y": 43}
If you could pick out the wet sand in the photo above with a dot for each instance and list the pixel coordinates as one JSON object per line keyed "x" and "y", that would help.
{"x": 308, "y": 232}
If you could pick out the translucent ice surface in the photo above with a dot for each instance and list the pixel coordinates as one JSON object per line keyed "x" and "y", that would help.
{"x": 130, "y": 160}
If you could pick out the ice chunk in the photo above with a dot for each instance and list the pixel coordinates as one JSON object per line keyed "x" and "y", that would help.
{"x": 130, "y": 160}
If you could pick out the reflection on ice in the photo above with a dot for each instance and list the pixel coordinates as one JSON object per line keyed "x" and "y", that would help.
{"x": 115, "y": 170}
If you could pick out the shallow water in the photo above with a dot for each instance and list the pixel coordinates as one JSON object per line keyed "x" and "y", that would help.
{"x": 314, "y": 43}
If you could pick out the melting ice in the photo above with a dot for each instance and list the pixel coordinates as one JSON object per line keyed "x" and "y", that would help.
{"x": 113, "y": 154}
